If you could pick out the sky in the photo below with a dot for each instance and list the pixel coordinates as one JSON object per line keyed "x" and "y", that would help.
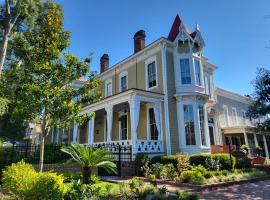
{"x": 236, "y": 32}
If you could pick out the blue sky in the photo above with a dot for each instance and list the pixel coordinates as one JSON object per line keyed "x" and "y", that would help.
{"x": 236, "y": 32}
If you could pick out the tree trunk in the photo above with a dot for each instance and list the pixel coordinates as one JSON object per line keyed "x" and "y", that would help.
{"x": 3, "y": 49}
{"x": 86, "y": 175}
{"x": 41, "y": 152}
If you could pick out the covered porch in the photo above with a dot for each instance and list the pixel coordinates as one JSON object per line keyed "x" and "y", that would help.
{"x": 132, "y": 119}
{"x": 239, "y": 135}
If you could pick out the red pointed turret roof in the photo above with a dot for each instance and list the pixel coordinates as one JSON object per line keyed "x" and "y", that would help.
{"x": 175, "y": 29}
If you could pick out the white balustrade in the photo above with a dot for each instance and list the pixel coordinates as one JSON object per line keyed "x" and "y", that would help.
{"x": 148, "y": 146}
{"x": 141, "y": 146}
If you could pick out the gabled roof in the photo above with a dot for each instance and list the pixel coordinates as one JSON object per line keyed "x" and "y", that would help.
{"x": 175, "y": 29}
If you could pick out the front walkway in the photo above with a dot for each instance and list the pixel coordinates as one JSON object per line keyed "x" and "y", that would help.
{"x": 248, "y": 191}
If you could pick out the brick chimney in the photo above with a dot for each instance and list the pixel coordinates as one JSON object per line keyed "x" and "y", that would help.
{"x": 104, "y": 63}
{"x": 139, "y": 40}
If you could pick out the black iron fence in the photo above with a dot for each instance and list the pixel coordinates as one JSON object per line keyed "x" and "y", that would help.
{"x": 52, "y": 154}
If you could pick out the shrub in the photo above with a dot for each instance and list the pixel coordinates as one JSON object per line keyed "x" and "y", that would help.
{"x": 186, "y": 196}
{"x": 201, "y": 169}
{"x": 182, "y": 163}
{"x": 48, "y": 186}
{"x": 70, "y": 176}
{"x": 172, "y": 159}
{"x": 213, "y": 164}
{"x": 244, "y": 147}
{"x": 136, "y": 185}
{"x": 156, "y": 169}
{"x": 224, "y": 160}
{"x": 169, "y": 172}
{"x": 193, "y": 177}
{"x": 197, "y": 178}
{"x": 19, "y": 179}
{"x": 243, "y": 163}
{"x": 185, "y": 176}
{"x": 141, "y": 164}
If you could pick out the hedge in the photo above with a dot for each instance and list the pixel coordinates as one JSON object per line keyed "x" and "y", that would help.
{"x": 224, "y": 159}
{"x": 197, "y": 159}
{"x": 165, "y": 160}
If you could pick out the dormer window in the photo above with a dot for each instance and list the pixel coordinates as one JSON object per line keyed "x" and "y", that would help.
{"x": 123, "y": 81}
{"x": 151, "y": 73}
{"x": 198, "y": 80}
{"x": 185, "y": 71}
{"x": 108, "y": 88}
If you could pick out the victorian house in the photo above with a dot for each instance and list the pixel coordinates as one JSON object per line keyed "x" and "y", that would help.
{"x": 163, "y": 100}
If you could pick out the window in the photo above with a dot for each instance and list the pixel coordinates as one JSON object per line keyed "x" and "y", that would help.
{"x": 189, "y": 125}
{"x": 108, "y": 88}
{"x": 211, "y": 135}
{"x": 234, "y": 116}
{"x": 197, "y": 73}
{"x": 123, "y": 127}
{"x": 123, "y": 82}
{"x": 243, "y": 117}
{"x": 202, "y": 130}
{"x": 185, "y": 71}
{"x": 225, "y": 115}
{"x": 152, "y": 75}
{"x": 152, "y": 125}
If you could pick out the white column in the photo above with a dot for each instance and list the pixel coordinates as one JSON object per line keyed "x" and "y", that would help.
{"x": 75, "y": 133}
{"x": 91, "y": 125}
{"x": 206, "y": 128}
{"x": 246, "y": 141}
{"x": 265, "y": 146}
{"x": 157, "y": 112}
{"x": 256, "y": 141}
{"x": 134, "y": 105}
{"x": 109, "y": 110}
{"x": 181, "y": 125}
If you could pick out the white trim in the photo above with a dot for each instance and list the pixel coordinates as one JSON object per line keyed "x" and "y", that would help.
{"x": 120, "y": 114}
{"x": 244, "y": 122}
{"x": 234, "y": 115}
{"x": 166, "y": 104}
{"x": 105, "y": 85}
{"x": 232, "y": 95}
{"x": 226, "y": 116}
{"x": 147, "y": 62}
{"x": 122, "y": 74}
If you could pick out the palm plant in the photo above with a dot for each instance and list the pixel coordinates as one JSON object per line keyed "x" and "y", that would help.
{"x": 90, "y": 158}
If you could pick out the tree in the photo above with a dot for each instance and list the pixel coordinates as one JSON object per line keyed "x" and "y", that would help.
{"x": 89, "y": 158}
{"x": 39, "y": 79}
{"x": 261, "y": 100}
{"x": 15, "y": 15}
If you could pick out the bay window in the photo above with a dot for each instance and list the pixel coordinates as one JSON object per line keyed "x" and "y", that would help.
{"x": 197, "y": 72}
{"x": 185, "y": 71}
{"x": 202, "y": 129}
{"x": 189, "y": 125}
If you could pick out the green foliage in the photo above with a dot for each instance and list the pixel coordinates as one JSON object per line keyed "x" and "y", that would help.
{"x": 244, "y": 147}
{"x": 172, "y": 159}
{"x": 94, "y": 179}
{"x": 72, "y": 176}
{"x": 91, "y": 158}
{"x": 224, "y": 160}
{"x": 213, "y": 164}
{"x": 136, "y": 185}
{"x": 78, "y": 190}
{"x": 3, "y": 106}
{"x": 19, "y": 179}
{"x": 192, "y": 177}
{"x": 182, "y": 163}
{"x": 48, "y": 186}
{"x": 22, "y": 180}
{"x": 243, "y": 163}
{"x": 169, "y": 172}
{"x": 141, "y": 164}
{"x": 156, "y": 169}
{"x": 186, "y": 196}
